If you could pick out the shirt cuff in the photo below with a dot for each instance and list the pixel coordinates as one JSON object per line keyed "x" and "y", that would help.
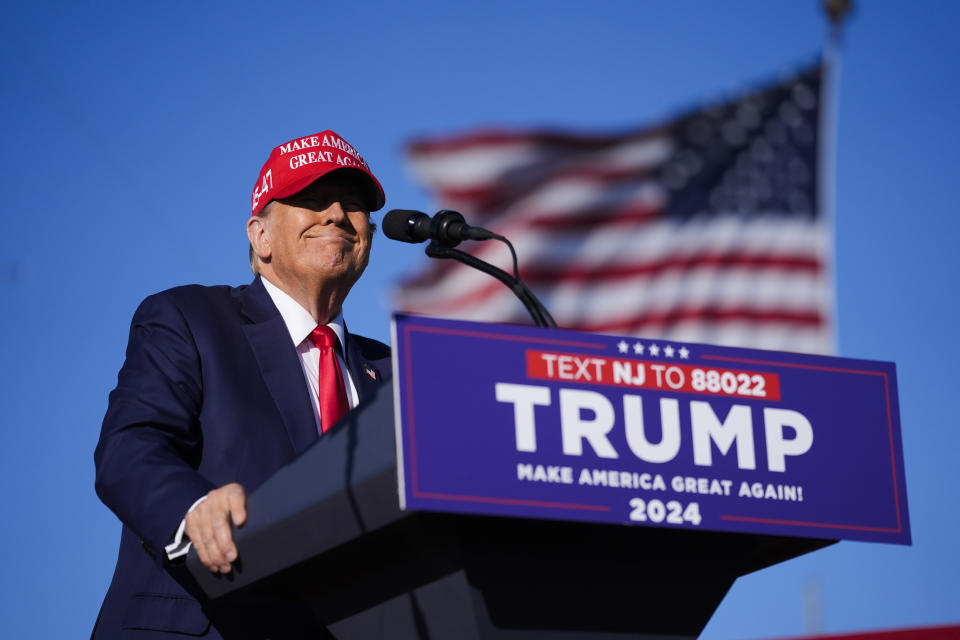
{"x": 181, "y": 543}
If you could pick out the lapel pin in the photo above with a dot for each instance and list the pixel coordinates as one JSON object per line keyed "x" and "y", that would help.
{"x": 370, "y": 371}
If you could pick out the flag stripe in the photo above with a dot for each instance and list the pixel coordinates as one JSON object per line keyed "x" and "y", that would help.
{"x": 613, "y": 246}
{"x": 486, "y": 138}
{"x": 540, "y": 274}
{"x": 578, "y": 302}
{"x": 476, "y": 173}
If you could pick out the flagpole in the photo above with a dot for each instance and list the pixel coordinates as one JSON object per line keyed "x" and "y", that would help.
{"x": 837, "y": 11}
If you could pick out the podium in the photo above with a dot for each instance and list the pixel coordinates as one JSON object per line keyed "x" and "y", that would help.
{"x": 328, "y": 529}
{"x": 520, "y": 489}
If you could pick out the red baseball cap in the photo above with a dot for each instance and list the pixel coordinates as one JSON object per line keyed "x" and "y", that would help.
{"x": 294, "y": 165}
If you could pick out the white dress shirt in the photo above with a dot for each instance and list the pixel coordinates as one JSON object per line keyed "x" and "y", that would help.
{"x": 300, "y": 324}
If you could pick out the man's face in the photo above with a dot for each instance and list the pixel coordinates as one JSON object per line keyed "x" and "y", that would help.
{"x": 322, "y": 232}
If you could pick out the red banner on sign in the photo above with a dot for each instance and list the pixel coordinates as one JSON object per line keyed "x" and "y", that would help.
{"x": 644, "y": 374}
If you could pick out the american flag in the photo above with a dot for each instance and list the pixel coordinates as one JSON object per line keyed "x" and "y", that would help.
{"x": 707, "y": 228}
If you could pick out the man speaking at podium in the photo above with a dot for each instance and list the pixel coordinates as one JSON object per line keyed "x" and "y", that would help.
{"x": 223, "y": 386}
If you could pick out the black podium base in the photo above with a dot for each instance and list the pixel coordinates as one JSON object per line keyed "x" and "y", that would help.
{"x": 446, "y": 576}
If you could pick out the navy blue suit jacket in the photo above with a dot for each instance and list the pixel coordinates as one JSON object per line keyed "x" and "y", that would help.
{"x": 212, "y": 391}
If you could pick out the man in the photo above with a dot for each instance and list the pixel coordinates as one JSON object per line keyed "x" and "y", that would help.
{"x": 223, "y": 386}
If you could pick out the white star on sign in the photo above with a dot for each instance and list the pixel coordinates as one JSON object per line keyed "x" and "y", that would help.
{"x": 623, "y": 346}
{"x": 684, "y": 353}
{"x": 668, "y": 351}
{"x": 654, "y": 350}
{"x": 637, "y": 348}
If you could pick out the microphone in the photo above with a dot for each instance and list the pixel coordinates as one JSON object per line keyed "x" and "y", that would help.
{"x": 448, "y": 228}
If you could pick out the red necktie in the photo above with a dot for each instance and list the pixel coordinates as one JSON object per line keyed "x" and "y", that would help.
{"x": 333, "y": 391}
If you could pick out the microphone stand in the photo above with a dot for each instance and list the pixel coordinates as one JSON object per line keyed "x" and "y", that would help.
{"x": 534, "y": 307}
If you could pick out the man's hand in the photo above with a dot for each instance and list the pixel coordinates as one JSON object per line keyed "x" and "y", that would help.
{"x": 209, "y": 528}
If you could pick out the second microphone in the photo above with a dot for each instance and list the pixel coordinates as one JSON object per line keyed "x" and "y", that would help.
{"x": 447, "y": 228}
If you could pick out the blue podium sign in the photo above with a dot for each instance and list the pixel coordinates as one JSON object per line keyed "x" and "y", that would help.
{"x": 525, "y": 422}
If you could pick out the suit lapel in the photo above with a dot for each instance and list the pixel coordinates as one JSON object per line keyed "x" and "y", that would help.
{"x": 365, "y": 376}
{"x": 279, "y": 364}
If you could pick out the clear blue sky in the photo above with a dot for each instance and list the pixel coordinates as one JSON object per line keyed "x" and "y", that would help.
{"x": 133, "y": 132}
